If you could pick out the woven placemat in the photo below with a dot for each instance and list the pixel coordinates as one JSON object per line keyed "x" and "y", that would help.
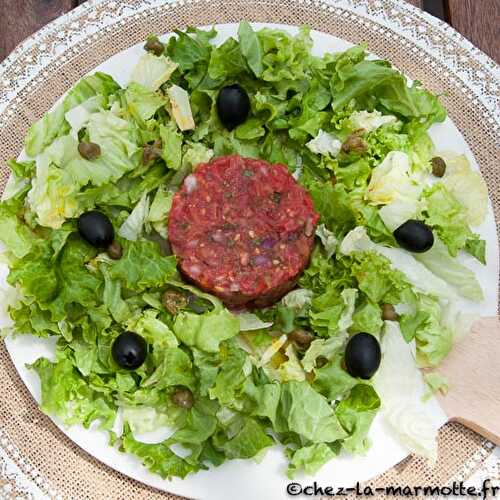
{"x": 46, "y": 65}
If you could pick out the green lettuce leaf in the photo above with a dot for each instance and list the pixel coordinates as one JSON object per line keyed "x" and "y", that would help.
{"x": 356, "y": 414}
{"x": 304, "y": 411}
{"x": 439, "y": 261}
{"x": 158, "y": 458}
{"x": 191, "y": 328}
{"x": 143, "y": 266}
{"x": 142, "y": 103}
{"x": 445, "y": 214}
{"x": 152, "y": 71}
{"x": 332, "y": 380}
{"x": 68, "y": 396}
{"x": 250, "y": 48}
{"x": 248, "y": 442}
{"x": 310, "y": 459}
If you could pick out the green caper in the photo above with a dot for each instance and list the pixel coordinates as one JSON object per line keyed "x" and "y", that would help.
{"x": 183, "y": 398}
{"x": 115, "y": 251}
{"x": 89, "y": 150}
{"x": 321, "y": 361}
{"x": 151, "y": 152}
{"x": 438, "y": 166}
{"x": 301, "y": 337}
{"x": 173, "y": 301}
{"x": 354, "y": 144}
{"x": 389, "y": 313}
{"x": 155, "y": 46}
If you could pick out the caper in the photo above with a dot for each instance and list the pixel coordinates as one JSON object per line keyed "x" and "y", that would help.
{"x": 438, "y": 166}
{"x": 89, "y": 150}
{"x": 321, "y": 361}
{"x": 151, "y": 152}
{"x": 354, "y": 144}
{"x": 183, "y": 398}
{"x": 173, "y": 301}
{"x": 301, "y": 337}
{"x": 115, "y": 251}
{"x": 155, "y": 46}
{"x": 389, "y": 313}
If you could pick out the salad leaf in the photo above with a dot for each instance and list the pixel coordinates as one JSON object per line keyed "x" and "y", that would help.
{"x": 250, "y": 48}
{"x": 467, "y": 186}
{"x": 321, "y": 347}
{"x": 390, "y": 180}
{"x": 371, "y": 120}
{"x": 477, "y": 248}
{"x": 439, "y": 261}
{"x": 356, "y": 413}
{"x": 143, "y": 266}
{"x": 190, "y": 328}
{"x": 248, "y": 442}
{"x": 67, "y": 395}
{"x": 443, "y": 212}
{"x": 402, "y": 408}
{"x": 13, "y": 234}
{"x": 97, "y": 84}
{"x": 310, "y": 459}
{"x": 152, "y": 71}
{"x": 133, "y": 226}
{"x": 304, "y": 411}
{"x": 172, "y": 145}
{"x": 332, "y": 380}
{"x": 158, "y": 458}
{"x": 142, "y": 103}
{"x": 43, "y": 132}
{"x": 411, "y": 271}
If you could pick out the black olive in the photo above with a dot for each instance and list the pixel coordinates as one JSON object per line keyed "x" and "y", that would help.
{"x": 96, "y": 229}
{"x": 414, "y": 236}
{"x": 233, "y": 106}
{"x": 362, "y": 355}
{"x": 129, "y": 350}
{"x": 183, "y": 398}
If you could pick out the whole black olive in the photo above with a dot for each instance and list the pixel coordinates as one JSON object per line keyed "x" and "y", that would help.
{"x": 95, "y": 228}
{"x": 362, "y": 355}
{"x": 414, "y": 236}
{"x": 129, "y": 350}
{"x": 233, "y": 106}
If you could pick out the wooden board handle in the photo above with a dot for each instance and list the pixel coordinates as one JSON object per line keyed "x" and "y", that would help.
{"x": 473, "y": 372}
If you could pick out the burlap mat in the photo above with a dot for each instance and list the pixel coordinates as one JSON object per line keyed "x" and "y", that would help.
{"x": 46, "y": 66}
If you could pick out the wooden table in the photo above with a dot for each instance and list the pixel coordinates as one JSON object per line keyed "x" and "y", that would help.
{"x": 477, "y": 20}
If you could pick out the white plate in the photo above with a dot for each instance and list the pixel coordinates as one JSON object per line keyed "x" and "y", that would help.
{"x": 248, "y": 480}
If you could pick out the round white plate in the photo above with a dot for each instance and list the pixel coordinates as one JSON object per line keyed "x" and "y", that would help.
{"x": 247, "y": 480}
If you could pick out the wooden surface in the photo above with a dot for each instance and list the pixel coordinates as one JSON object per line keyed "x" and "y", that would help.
{"x": 477, "y": 20}
{"x": 474, "y": 395}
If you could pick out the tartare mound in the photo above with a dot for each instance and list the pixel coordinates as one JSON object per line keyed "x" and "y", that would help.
{"x": 242, "y": 229}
